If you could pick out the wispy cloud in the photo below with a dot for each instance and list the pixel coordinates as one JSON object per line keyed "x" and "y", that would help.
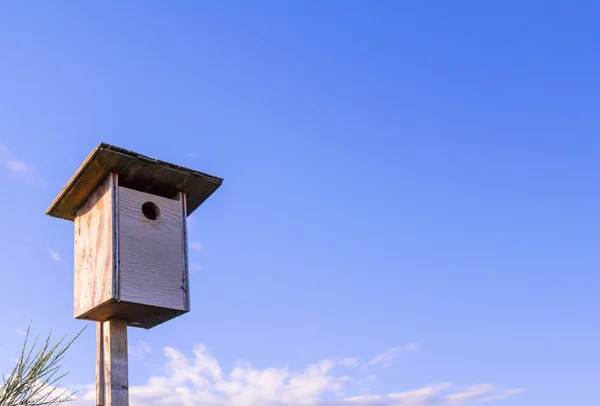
{"x": 55, "y": 255}
{"x": 20, "y": 332}
{"x": 386, "y": 358}
{"x": 20, "y": 168}
{"x": 412, "y": 347}
{"x": 140, "y": 350}
{"x": 199, "y": 380}
{"x": 502, "y": 394}
{"x": 440, "y": 394}
{"x": 197, "y": 246}
{"x": 192, "y": 155}
{"x": 470, "y": 394}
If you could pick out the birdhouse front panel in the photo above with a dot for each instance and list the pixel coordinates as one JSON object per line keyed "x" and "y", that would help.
{"x": 152, "y": 268}
{"x": 95, "y": 247}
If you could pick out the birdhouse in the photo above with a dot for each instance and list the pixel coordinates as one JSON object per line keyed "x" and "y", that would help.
{"x": 131, "y": 254}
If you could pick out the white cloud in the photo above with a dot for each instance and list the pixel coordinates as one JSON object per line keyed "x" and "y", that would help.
{"x": 197, "y": 246}
{"x": 437, "y": 395}
{"x": 386, "y": 358}
{"x": 43, "y": 393}
{"x": 23, "y": 170}
{"x": 469, "y": 394}
{"x": 55, "y": 255}
{"x": 140, "y": 350}
{"x": 192, "y": 155}
{"x": 427, "y": 395}
{"x": 412, "y": 347}
{"x": 21, "y": 332}
{"x": 199, "y": 380}
{"x": 502, "y": 394}
{"x": 16, "y": 166}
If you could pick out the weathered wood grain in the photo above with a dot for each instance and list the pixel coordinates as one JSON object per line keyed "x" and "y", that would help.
{"x": 95, "y": 242}
{"x": 136, "y": 172}
{"x": 112, "y": 379}
{"x": 151, "y": 262}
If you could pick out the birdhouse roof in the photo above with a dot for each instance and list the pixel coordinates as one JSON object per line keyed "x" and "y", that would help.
{"x": 135, "y": 171}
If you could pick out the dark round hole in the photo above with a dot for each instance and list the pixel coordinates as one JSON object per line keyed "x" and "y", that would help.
{"x": 150, "y": 210}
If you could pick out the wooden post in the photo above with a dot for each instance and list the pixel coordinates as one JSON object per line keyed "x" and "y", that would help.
{"x": 112, "y": 382}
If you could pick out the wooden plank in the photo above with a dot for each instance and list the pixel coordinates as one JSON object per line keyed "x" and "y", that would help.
{"x": 184, "y": 239}
{"x": 136, "y": 172}
{"x": 115, "y": 237}
{"x": 95, "y": 237}
{"x": 151, "y": 263}
{"x": 135, "y": 314}
{"x": 100, "y": 395}
{"x": 113, "y": 380}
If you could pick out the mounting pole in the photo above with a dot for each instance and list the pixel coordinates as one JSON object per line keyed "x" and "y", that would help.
{"x": 112, "y": 382}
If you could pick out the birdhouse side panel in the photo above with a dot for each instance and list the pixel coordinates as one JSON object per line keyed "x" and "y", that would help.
{"x": 94, "y": 247}
{"x": 151, "y": 269}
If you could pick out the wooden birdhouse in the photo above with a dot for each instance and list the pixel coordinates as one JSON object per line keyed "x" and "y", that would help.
{"x": 131, "y": 254}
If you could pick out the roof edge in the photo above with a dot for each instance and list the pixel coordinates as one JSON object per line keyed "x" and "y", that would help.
{"x": 147, "y": 171}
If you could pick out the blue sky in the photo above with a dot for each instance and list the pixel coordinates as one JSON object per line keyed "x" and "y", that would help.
{"x": 409, "y": 214}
